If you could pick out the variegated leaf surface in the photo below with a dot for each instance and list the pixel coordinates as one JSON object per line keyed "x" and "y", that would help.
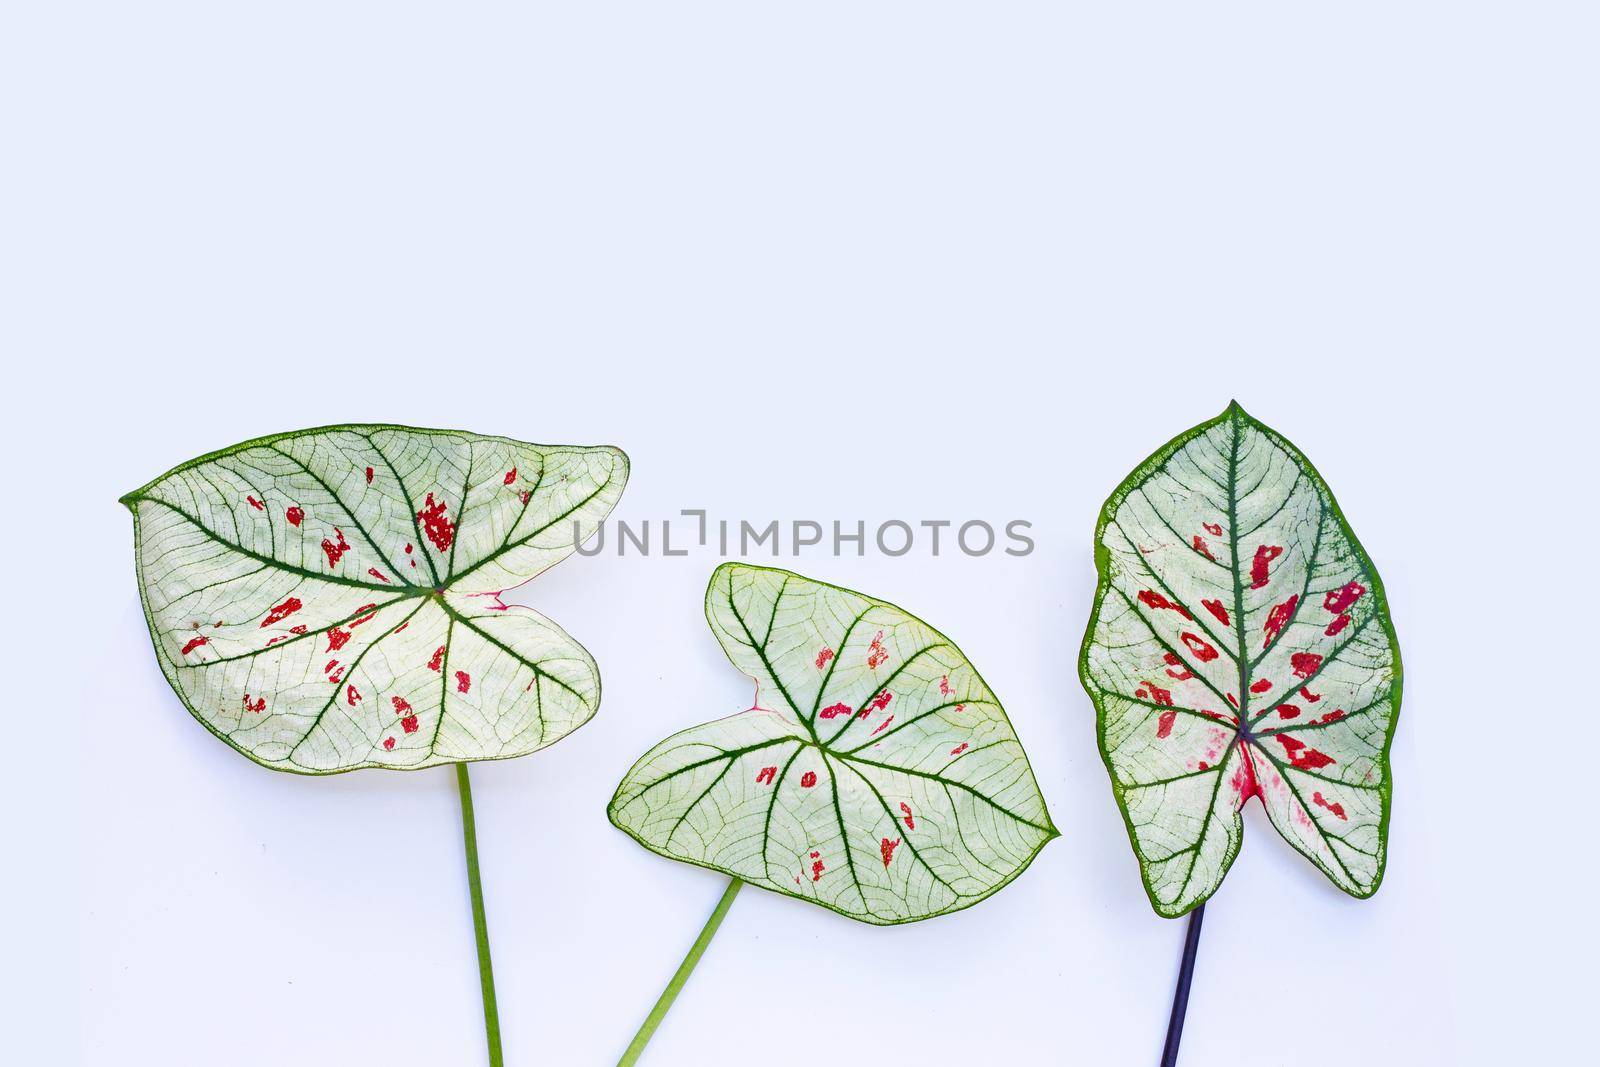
{"x": 325, "y": 600}
{"x": 1240, "y": 647}
{"x": 876, "y": 775}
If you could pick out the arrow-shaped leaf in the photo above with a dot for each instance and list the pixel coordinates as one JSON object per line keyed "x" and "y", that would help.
{"x": 877, "y": 774}
{"x": 322, "y": 600}
{"x": 1240, "y": 647}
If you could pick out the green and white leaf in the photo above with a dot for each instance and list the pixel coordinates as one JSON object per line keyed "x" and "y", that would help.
{"x": 876, "y": 775}
{"x": 1240, "y": 646}
{"x": 324, "y": 600}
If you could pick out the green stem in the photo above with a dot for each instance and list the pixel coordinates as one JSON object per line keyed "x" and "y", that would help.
{"x": 480, "y": 922}
{"x": 685, "y": 969}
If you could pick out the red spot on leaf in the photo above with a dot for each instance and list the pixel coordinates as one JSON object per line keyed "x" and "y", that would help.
{"x": 1244, "y": 778}
{"x": 1200, "y": 546}
{"x": 1154, "y": 693}
{"x": 337, "y": 638}
{"x": 336, "y": 676}
{"x": 880, "y": 701}
{"x": 1311, "y": 698}
{"x": 1338, "y": 601}
{"x": 1198, "y": 646}
{"x": 258, "y": 706}
{"x": 1305, "y": 664}
{"x": 1155, "y": 602}
{"x": 1288, "y": 711}
{"x": 436, "y": 526}
{"x": 944, "y": 685}
{"x": 834, "y": 710}
{"x": 1307, "y": 759}
{"x": 817, "y": 867}
{"x": 524, "y": 495}
{"x": 1212, "y": 528}
{"x": 1279, "y": 617}
{"x": 335, "y": 549}
{"x": 808, "y": 779}
{"x": 401, "y": 705}
{"x": 1219, "y": 612}
{"x": 463, "y": 682}
{"x": 437, "y": 660}
{"x": 876, "y": 653}
{"x": 1265, "y": 554}
{"x": 294, "y": 514}
{"x": 1333, "y": 716}
{"x": 1336, "y": 625}
{"x": 282, "y": 611}
{"x": 1182, "y": 674}
{"x": 376, "y": 574}
{"x": 511, "y": 475}
{"x": 1260, "y": 685}
{"x": 1321, "y": 802}
{"x": 823, "y": 657}
{"x": 369, "y": 475}
{"x": 887, "y": 847}
{"x": 388, "y": 743}
{"x": 1164, "y": 723}
{"x": 765, "y": 775}
{"x": 192, "y": 644}
{"x": 911, "y": 821}
{"x": 409, "y": 724}
{"x": 882, "y": 725}
{"x": 962, "y": 747}
{"x": 352, "y": 695}
{"x": 1233, "y": 700}
{"x": 258, "y": 505}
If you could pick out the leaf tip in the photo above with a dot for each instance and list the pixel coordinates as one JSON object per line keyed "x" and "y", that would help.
{"x": 1234, "y": 411}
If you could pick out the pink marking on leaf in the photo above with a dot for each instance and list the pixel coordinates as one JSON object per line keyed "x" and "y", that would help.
{"x": 1212, "y": 528}
{"x": 409, "y": 724}
{"x": 1288, "y": 711}
{"x": 765, "y": 775}
{"x": 337, "y": 638}
{"x": 258, "y": 505}
{"x": 834, "y": 710}
{"x": 511, "y": 476}
{"x": 1333, "y": 716}
{"x": 911, "y": 821}
{"x": 463, "y": 682}
{"x": 192, "y": 644}
{"x": 1311, "y": 698}
{"x": 401, "y": 705}
{"x": 1260, "y": 685}
{"x": 336, "y": 676}
{"x": 294, "y": 514}
{"x": 1164, "y": 724}
{"x": 876, "y": 653}
{"x": 260, "y": 704}
{"x": 887, "y": 847}
{"x": 808, "y": 779}
{"x": 823, "y": 657}
{"x": 369, "y": 475}
{"x": 1200, "y": 546}
{"x": 1244, "y": 780}
{"x": 378, "y": 575}
{"x": 1336, "y": 626}
{"x": 1219, "y": 612}
{"x": 388, "y": 744}
{"x": 435, "y": 664}
{"x": 944, "y": 685}
{"x": 962, "y": 747}
{"x": 880, "y": 701}
{"x": 882, "y": 725}
{"x": 352, "y": 695}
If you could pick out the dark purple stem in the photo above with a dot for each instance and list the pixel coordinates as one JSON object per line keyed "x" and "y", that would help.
{"x": 1180, "y": 996}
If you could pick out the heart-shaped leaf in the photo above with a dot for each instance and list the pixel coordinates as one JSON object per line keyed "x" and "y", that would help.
{"x": 877, "y": 774}
{"x": 1240, "y": 647}
{"x": 323, "y": 600}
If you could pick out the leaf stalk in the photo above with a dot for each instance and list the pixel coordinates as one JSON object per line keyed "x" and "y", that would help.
{"x": 1180, "y": 996}
{"x": 480, "y": 922}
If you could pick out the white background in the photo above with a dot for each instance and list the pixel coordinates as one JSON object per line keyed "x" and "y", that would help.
{"x": 828, "y": 261}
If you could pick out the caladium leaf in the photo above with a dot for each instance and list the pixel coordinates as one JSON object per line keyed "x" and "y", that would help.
{"x": 324, "y": 600}
{"x": 876, "y": 775}
{"x": 1240, "y": 647}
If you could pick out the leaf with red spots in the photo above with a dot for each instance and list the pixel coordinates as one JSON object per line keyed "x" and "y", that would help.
{"x": 811, "y": 792}
{"x": 1288, "y": 599}
{"x": 372, "y": 543}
